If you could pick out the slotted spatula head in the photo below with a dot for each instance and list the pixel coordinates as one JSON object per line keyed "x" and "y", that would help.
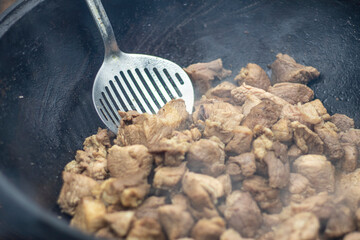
{"x": 134, "y": 81}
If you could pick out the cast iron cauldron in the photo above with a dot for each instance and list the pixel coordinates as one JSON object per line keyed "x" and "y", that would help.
{"x": 51, "y": 50}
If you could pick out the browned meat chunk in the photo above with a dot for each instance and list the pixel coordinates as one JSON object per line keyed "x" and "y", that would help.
{"x": 127, "y": 191}
{"x": 92, "y": 160}
{"x": 132, "y": 196}
{"x": 233, "y": 168}
{"x": 351, "y": 136}
{"x": 208, "y": 229}
{"x": 131, "y": 129}
{"x": 146, "y": 229}
{"x": 352, "y": 236}
{"x": 292, "y": 92}
{"x": 320, "y": 109}
{"x": 267, "y": 236}
{"x": 268, "y": 198}
{"x": 253, "y": 75}
{"x": 104, "y": 136}
{"x": 278, "y": 171}
{"x": 299, "y": 188}
{"x": 180, "y": 199}
{"x": 294, "y": 152}
{"x": 173, "y": 114}
{"x": 286, "y": 69}
{"x": 89, "y": 215}
{"x": 129, "y": 161}
{"x": 203, "y": 74}
{"x": 220, "y": 118}
{"x": 97, "y": 144}
{"x": 262, "y": 144}
{"x": 221, "y": 92}
{"x": 341, "y": 222}
{"x": 265, "y": 114}
{"x": 105, "y": 233}
{"x": 307, "y": 140}
{"x": 240, "y": 94}
{"x": 242, "y": 213}
{"x": 191, "y": 135}
{"x": 318, "y": 170}
{"x": 250, "y": 102}
{"x": 308, "y": 114}
{"x": 96, "y": 168}
{"x": 342, "y": 122}
{"x": 171, "y": 152}
{"x": 176, "y": 222}
{"x": 226, "y": 182}
{"x": 148, "y": 129}
{"x": 73, "y": 167}
{"x": 149, "y": 208}
{"x": 120, "y": 222}
{"x": 271, "y": 220}
{"x": 231, "y": 234}
{"x": 321, "y": 205}
{"x": 302, "y": 226}
{"x": 75, "y": 187}
{"x": 241, "y": 166}
{"x": 105, "y": 192}
{"x": 282, "y": 131}
{"x": 348, "y": 186}
{"x": 332, "y": 147}
{"x": 351, "y": 156}
{"x": 293, "y": 112}
{"x": 203, "y": 192}
{"x": 241, "y": 141}
{"x": 280, "y": 151}
{"x": 168, "y": 177}
{"x": 207, "y": 156}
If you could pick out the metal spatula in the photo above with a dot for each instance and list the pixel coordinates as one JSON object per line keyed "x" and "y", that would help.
{"x": 133, "y": 81}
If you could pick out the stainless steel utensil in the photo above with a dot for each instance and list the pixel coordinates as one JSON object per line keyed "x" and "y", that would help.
{"x": 133, "y": 81}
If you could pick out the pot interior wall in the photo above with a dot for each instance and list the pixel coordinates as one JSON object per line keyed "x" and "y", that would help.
{"x": 49, "y": 59}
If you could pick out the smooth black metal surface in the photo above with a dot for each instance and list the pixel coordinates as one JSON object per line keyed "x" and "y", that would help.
{"x": 51, "y": 50}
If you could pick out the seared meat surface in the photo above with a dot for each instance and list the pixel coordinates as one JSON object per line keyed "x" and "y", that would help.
{"x": 318, "y": 170}
{"x": 75, "y": 188}
{"x": 203, "y": 74}
{"x": 303, "y": 226}
{"x": 208, "y": 229}
{"x": 129, "y": 161}
{"x": 342, "y": 122}
{"x": 176, "y": 221}
{"x": 254, "y": 161}
{"x": 253, "y": 75}
{"x": 242, "y": 213}
{"x": 286, "y": 69}
{"x": 292, "y": 92}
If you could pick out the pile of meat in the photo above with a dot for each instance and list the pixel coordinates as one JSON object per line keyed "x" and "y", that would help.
{"x": 257, "y": 159}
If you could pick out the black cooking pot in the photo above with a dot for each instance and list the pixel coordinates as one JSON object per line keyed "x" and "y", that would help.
{"x": 51, "y": 50}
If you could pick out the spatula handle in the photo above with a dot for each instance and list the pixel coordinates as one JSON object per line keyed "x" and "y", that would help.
{"x": 102, "y": 21}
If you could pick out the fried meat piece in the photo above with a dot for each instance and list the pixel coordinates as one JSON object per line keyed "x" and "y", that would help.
{"x": 286, "y": 69}
{"x": 253, "y": 75}
{"x": 202, "y": 75}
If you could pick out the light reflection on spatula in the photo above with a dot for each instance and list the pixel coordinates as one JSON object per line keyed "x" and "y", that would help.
{"x": 133, "y": 81}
